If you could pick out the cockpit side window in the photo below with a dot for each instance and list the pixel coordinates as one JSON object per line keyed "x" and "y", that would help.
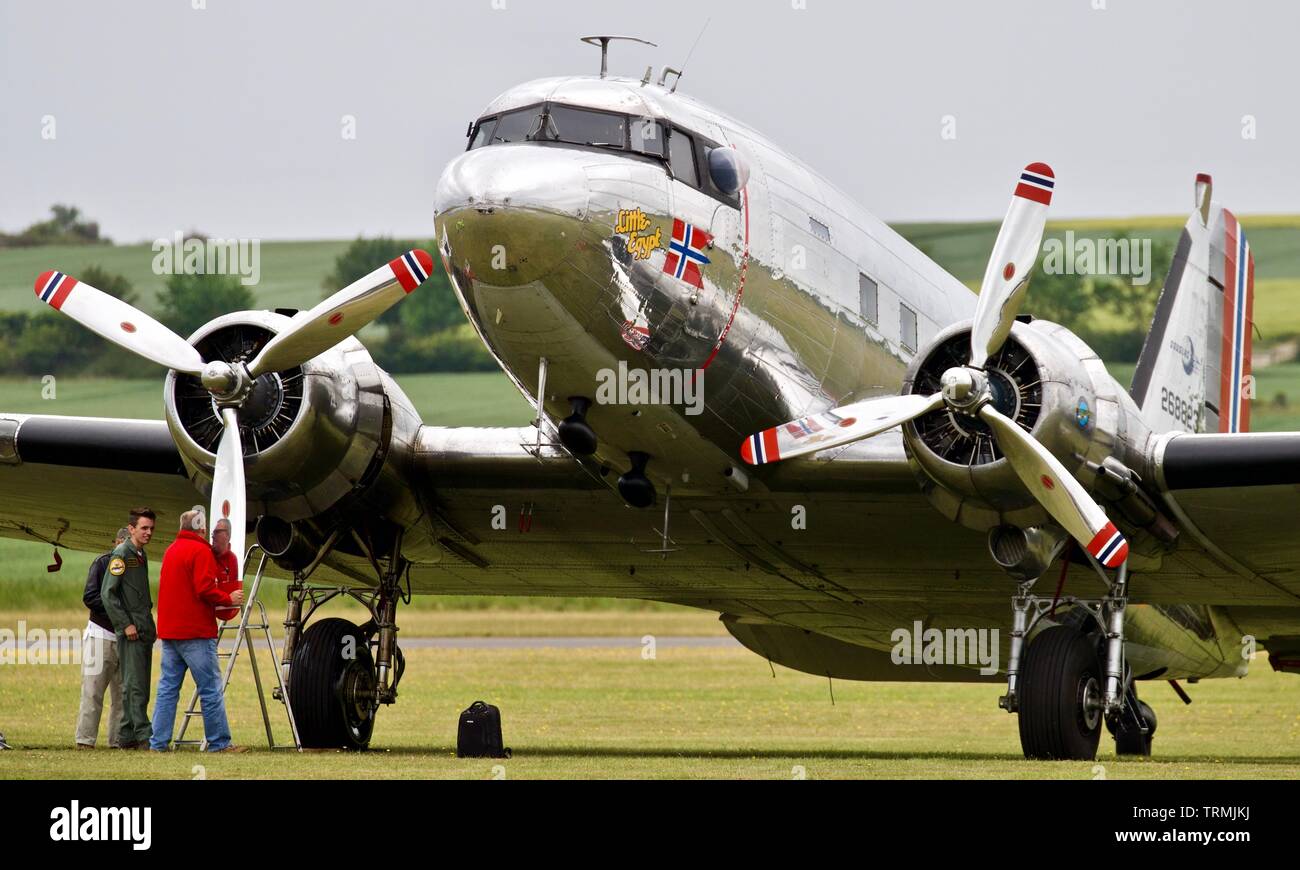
{"x": 681, "y": 158}
{"x": 482, "y": 133}
{"x": 647, "y": 136}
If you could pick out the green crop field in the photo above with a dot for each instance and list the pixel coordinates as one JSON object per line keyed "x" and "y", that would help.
{"x": 443, "y": 399}
{"x": 291, "y": 272}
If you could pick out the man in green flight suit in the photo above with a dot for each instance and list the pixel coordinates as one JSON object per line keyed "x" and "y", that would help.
{"x": 125, "y": 593}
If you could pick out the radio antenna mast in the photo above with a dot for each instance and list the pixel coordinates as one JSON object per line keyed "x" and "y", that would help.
{"x": 603, "y": 42}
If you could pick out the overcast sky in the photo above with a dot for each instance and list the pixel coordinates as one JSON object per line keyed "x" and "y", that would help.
{"x": 227, "y": 119}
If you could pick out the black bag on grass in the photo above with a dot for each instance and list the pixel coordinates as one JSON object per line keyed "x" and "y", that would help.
{"x": 479, "y": 735}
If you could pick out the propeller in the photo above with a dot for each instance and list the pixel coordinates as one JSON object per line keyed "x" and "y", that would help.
{"x": 966, "y": 390}
{"x": 308, "y": 334}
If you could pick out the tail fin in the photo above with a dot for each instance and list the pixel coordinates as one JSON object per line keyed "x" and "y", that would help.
{"x": 1193, "y": 374}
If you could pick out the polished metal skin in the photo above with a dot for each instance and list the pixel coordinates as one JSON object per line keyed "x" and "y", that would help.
{"x": 808, "y": 302}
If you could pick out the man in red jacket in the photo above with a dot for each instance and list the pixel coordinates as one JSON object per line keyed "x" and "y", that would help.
{"x": 187, "y": 626}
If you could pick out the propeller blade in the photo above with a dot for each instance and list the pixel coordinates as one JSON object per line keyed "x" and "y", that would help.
{"x": 343, "y": 314}
{"x": 120, "y": 323}
{"x": 1006, "y": 277}
{"x": 1057, "y": 490}
{"x": 835, "y": 427}
{"x": 228, "y": 494}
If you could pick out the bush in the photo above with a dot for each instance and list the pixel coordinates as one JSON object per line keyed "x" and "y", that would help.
{"x": 451, "y": 350}
{"x": 189, "y": 301}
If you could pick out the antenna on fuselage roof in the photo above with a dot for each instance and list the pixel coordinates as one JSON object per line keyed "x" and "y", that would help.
{"x": 663, "y": 77}
{"x": 603, "y": 42}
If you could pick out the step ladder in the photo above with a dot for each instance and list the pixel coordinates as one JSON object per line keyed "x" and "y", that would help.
{"x": 244, "y": 637}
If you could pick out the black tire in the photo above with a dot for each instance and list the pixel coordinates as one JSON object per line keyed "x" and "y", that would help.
{"x": 1060, "y": 696}
{"x": 326, "y": 688}
{"x": 1130, "y": 742}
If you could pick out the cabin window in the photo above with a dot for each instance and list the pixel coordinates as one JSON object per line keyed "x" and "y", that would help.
{"x": 820, "y": 230}
{"x": 681, "y": 157}
{"x": 907, "y": 328}
{"x": 584, "y": 127}
{"x": 868, "y": 299}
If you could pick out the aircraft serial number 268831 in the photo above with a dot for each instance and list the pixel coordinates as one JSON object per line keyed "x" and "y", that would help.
{"x": 871, "y": 449}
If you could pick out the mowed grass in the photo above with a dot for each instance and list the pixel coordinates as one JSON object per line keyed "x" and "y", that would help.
{"x": 689, "y": 713}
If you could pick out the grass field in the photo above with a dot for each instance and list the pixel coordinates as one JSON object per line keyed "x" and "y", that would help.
{"x": 690, "y": 712}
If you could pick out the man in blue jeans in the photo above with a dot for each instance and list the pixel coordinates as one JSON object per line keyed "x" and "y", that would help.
{"x": 187, "y": 626}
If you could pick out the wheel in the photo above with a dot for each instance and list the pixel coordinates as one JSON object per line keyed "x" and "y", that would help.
{"x": 1130, "y": 742}
{"x": 1060, "y": 696}
{"x": 332, "y": 686}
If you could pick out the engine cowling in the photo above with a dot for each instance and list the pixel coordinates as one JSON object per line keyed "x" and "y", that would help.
{"x": 310, "y": 435}
{"x": 1047, "y": 380}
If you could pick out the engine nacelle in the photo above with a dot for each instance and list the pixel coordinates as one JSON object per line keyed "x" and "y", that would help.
{"x": 311, "y": 435}
{"x": 1046, "y": 379}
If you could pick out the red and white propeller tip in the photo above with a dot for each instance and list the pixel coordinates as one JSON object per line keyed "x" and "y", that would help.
{"x": 115, "y": 320}
{"x": 1006, "y": 277}
{"x": 835, "y": 427}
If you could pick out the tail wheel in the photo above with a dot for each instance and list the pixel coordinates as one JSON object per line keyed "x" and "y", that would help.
{"x": 1060, "y": 696}
{"x": 332, "y": 686}
{"x": 1131, "y": 742}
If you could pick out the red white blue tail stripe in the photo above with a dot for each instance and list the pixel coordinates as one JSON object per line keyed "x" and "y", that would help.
{"x": 1109, "y": 547}
{"x": 1238, "y": 302}
{"x": 1036, "y": 183}
{"x": 54, "y": 287}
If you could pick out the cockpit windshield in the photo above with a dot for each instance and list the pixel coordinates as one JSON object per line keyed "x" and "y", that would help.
{"x": 574, "y": 126}
{"x": 584, "y": 127}
{"x": 684, "y": 155}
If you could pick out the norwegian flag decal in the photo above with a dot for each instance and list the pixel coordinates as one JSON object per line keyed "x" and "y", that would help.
{"x": 686, "y": 253}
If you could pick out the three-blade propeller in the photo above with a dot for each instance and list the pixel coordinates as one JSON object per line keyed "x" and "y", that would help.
{"x": 965, "y": 389}
{"x": 308, "y": 334}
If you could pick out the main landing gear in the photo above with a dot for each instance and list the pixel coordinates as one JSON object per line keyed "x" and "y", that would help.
{"x": 339, "y": 673}
{"x": 1073, "y": 677}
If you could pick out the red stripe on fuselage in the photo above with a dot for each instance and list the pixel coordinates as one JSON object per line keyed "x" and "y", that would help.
{"x": 1229, "y": 312}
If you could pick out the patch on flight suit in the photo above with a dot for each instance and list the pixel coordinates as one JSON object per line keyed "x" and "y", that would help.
{"x": 116, "y": 566}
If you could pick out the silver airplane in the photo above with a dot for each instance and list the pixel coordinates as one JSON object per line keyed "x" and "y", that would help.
{"x": 752, "y": 397}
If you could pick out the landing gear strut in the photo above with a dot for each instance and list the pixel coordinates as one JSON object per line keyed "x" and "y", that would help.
{"x": 1073, "y": 675}
{"x": 339, "y": 673}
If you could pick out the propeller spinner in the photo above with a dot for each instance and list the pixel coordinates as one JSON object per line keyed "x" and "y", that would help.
{"x": 966, "y": 389}
{"x": 308, "y": 334}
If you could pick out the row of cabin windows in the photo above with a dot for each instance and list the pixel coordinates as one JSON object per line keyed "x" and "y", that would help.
{"x": 869, "y": 307}
{"x": 683, "y": 153}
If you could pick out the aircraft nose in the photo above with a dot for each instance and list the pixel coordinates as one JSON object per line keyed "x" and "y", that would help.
{"x": 506, "y": 211}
